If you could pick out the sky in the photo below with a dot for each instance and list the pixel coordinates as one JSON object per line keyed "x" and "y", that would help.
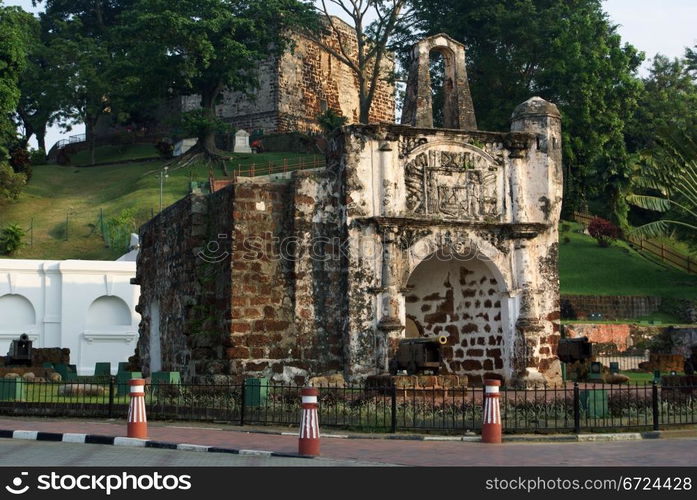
{"x": 665, "y": 26}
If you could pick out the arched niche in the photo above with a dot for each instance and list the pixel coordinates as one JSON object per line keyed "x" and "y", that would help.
{"x": 16, "y": 311}
{"x": 108, "y": 311}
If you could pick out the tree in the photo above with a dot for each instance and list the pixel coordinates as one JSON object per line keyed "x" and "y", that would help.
{"x": 85, "y": 36}
{"x": 691, "y": 59}
{"x": 204, "y": 46}
{"x": 40, "y": 85}
{"x": 668, "y": 99}
{"x": 13, "y": 52}
{"x": 372, "y": 41}
{"x": 565, "y": 51}
{"x": 667, "y": 184}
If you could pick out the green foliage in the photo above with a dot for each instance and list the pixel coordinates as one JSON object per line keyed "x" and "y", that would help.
{"x": 330, "y": 121}
{"x": 37, "y": 156}
{"x": 11, "y": 183}
{"x": 203, "y": 46}
{"x": 668, "y": 99}
{"x": 165, "y": 149}
{"x": 666, "y": 183}
{"x": 117, "y": 230}
{"x": 11, "y": 239}
{"x": 41, "y": 84}
{"x": 567, "y": 52}
{"x": 20, "y": 161}
{"x": 197, "y": 123}
{"x": 13, "y": 52}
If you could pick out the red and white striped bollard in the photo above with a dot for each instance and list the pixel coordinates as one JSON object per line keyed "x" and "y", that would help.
{"x": 308, "y": 443}
{"x": 137, "y": 421}
{"x": 491, "y": 428}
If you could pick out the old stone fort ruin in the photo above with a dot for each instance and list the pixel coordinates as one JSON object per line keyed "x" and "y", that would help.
{"x": 301, "y": 84}
{"x": 409, "y": 231}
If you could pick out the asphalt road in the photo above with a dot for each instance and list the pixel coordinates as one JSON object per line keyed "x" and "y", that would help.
{"x": 18, "y": 452}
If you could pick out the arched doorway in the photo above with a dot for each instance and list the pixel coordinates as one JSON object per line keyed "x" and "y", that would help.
{"x": 459, "y": 297}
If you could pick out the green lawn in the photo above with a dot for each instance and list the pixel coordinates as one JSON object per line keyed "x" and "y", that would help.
{"x": 587, "y": 269}
{"x": 80, "y": 195}
{"x": 105, "y": 154}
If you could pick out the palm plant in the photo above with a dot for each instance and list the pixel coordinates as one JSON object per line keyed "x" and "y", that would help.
{"x": 666, "y": 182}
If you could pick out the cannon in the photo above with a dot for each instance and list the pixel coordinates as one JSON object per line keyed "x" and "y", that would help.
{"x": 20, "y": 351}
{"x": 418, "y": 355}
{"x": 572, "y": 350}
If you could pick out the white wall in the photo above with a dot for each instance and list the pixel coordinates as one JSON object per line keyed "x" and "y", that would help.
{"x": 86, "y": 306}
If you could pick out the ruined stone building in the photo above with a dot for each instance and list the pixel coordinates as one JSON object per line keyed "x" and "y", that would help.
{"x": 408, "y": 231}
{"x": 301, "y": 84}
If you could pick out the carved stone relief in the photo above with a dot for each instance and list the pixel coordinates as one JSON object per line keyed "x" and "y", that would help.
{"x": 458, "y": 185}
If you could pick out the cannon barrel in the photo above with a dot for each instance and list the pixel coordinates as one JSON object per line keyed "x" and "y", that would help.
{"x": 441, "y": 339}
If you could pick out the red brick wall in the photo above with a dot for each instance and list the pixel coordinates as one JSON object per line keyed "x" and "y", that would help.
{"x": 600, "y": 333}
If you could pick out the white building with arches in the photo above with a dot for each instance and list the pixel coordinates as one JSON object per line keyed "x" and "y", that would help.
{"x": 85, "y": 306}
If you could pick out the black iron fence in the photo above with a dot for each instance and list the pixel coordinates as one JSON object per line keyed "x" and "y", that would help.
{"x": 573, "y": 407}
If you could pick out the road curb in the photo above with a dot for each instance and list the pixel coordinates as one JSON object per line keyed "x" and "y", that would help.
{"x": 69, "y": 437}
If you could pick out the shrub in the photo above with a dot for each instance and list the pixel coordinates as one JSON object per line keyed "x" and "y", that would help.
{"x": 256, "y": 135}
{"x": 604, "y": 231}
{"x": 330, "y": 120}
{"x": 37, "y": 156}
{"x": 11, "y": 183}
{"x": 20, "y": 161}
{"x": 11, "y": 239}
{"x": 117, "y": 230}
{"x": 165, "y": 149}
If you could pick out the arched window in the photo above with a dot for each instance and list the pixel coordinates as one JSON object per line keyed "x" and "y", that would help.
{"x": 108, "y": 311}
{"x": 16, "y": 311}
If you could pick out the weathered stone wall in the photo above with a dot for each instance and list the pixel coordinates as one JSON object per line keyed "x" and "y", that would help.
{"x": 323, "y": 265}
{"x": 460, "y": 300}
{"x": 299, "y": 85}
{"x": 619, "y": 335}
{"x": 179, "y": 254}
{"x": 611, "y": 307}
{"x": 311, "y": 80}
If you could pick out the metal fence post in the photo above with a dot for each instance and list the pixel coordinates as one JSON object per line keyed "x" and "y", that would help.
{"x": 577, "y": 409}
{"x": 111, "y": 397}
{"x": 242, "y": 403}
{"x": 654, "y": 404}
{"x": 393, "y": 395}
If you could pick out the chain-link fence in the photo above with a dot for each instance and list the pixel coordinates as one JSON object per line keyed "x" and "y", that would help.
{"x": 83, "y": 229}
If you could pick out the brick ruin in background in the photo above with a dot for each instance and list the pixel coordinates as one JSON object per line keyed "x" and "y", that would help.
{"x": 408, "y": 231}
{"x": 301, "y": 84}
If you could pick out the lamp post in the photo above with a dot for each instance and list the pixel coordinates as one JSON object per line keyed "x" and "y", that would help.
{"x": 163, "y": 176}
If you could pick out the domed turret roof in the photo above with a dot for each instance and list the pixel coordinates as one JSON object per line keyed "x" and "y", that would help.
{"x": 536, "y": 106}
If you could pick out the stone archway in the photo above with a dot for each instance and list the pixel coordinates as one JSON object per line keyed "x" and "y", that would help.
{"x": 458, "y": 296}
{"x": 458, "y": 108}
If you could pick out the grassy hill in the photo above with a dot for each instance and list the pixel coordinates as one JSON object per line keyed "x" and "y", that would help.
{"x": 587, "y": 269}
{"x": 63, "y": 207}
{"x": 87, "y": 198}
